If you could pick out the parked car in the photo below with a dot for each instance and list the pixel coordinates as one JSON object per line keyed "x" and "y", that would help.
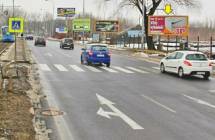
{"x": 29, "y": 37}
{"x": 40, "y": 41}
{"x": 67, "y": 43}
{"x": 187, "y": 63}
{"x": 96, "y": 54}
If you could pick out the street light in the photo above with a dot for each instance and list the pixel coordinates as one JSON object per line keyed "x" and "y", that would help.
{"x": 143, "y": 26}
{"x": 53, "y": 10}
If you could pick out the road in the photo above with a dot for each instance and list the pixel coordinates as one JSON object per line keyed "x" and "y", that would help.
{"x": 130, "y": 101}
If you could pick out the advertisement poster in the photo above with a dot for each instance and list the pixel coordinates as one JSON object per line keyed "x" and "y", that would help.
{"x": 168, "y": 25}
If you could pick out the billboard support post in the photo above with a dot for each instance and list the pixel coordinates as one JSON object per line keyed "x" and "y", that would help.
{"x": 197, "y": 43}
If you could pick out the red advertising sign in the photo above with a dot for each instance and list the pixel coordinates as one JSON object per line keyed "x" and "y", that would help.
{"x": 168, "y": 25}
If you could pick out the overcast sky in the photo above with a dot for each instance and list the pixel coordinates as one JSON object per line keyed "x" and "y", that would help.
{"x": 206, "y": 11}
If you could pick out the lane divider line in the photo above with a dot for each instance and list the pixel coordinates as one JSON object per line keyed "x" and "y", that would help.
{"x": 159, "y": 104}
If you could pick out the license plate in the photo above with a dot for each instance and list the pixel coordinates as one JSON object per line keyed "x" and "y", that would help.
{"x": 200, "y": 73}
{"x": 100, "y": 55}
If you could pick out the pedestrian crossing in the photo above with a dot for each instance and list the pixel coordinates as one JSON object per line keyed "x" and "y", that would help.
{"x": 85, "y": 68}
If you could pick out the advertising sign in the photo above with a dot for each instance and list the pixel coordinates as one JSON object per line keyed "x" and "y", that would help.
{"x": 16, "y": 25}
{"x": 168, "y": 25}
{"x": 95, "y": 38}
{"x": 62, "y": 30}
{"x": 107, "y": 26}
{"x": 81, "y": 25}
{"x": 134, "y": 33}
{"x": 65, "y": 12}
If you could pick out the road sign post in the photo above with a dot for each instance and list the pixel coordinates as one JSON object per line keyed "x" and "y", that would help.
{"x": 16, "y": 25}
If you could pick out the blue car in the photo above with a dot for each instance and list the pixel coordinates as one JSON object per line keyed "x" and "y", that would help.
{"x": 95, "y": 54}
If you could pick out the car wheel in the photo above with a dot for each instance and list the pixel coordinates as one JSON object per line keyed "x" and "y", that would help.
{"x": 108, "y": 65}
{"x": 181, "y": 72}
{"x": 206, "y": 76}
{"x": 162, "y": 68}
{"x": 89, "y": 63}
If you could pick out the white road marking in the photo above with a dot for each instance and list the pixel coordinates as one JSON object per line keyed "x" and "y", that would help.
{"x": 76, "y": 68}
{"x": 44, "y": 67}
{"x": 137, "y": 70}
{"x": 93, "y": 69}
{"x": 156, "y": 68}
{"x": 48, "y": 54}
{"x": 60, "y": 67}
{"x": 159, "y": 104}
{"x": 199, "y": 101}
{"x": 116, "y": 112}
{"x": 109, "y": 69}
{"x": 212, "y": 91}
{"x": 122, "y": 69}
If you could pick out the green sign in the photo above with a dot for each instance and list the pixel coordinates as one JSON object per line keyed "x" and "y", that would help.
{"x": 81, "y": 25}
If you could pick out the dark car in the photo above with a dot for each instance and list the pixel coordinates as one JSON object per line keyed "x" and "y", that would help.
{"x": 96, "y": 54}
{"x": 67, "y": 43}
{"x": 29, "y": 37}
{"x": 40, "y": 41}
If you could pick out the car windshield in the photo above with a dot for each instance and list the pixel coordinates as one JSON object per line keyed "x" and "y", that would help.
{"x": 68, "y": 40}
{"x": 99, "y": 48}
{"x": 196, "y": 57}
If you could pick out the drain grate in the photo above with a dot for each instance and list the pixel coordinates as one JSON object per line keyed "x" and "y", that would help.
{"x": 51, "y": 112}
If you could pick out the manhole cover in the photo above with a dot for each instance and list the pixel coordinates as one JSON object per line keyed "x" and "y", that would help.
{"x": 51, "y": 112}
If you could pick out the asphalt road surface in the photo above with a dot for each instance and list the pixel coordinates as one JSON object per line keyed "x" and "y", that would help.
{"x": 131, "y": 100}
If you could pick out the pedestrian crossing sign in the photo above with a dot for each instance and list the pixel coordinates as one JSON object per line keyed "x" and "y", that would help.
{"x": 16, "y": 25}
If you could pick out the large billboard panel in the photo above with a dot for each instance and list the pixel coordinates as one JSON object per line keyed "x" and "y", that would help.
{"x": 107, "y": 26}
{"x": 65, "y": 12}
{"x": 81, "y": 25}
{"x": 168, "y": 25}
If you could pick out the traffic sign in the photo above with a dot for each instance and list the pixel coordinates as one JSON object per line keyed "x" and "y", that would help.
{"x": 16, "y": 25}
{"x": 168, "y": 9}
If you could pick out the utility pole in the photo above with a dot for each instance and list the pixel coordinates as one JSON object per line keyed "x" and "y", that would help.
{"x": 83, "y": 20}
{"x": 143, "y": 26}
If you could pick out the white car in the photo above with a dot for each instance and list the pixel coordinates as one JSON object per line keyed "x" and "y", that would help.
{"x": 187, "y": 63}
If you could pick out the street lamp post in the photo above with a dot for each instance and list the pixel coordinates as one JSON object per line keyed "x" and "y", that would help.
{"x": 53, "y": 10}
{"x": 143, "y": 26}
{"x": 83, "y": 34}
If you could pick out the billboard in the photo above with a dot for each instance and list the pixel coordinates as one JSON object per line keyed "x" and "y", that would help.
{"x": 81, "y": 25}
{"x": 62, "y": 30}
{"x": 107, "y": 26}
{"x": 65, "y": 12}
{"x": 135, "y": 33}
{"x": 168, "y": 25}
{"x": 95, "y": 38}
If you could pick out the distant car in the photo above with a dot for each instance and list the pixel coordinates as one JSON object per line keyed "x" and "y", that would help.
{"x": 40, "y": 41}
{"x": 187, "y": 63}
{"x": 96, "y": 54}
{"x": 29, "y": 37}
{"x": 67, "y": 43}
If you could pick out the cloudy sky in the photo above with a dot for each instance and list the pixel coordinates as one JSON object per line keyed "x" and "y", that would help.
{"x": 206, "y": 10}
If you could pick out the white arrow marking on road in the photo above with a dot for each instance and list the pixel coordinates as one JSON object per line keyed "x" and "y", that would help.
{"x": 116, "y": 112}
{"x": 200, "y": 101}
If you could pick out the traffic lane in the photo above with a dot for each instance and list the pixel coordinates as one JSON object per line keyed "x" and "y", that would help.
{"x": 122, "y": 80}
{"x": 152, "y": 117}
{"x": 61, "y": 59}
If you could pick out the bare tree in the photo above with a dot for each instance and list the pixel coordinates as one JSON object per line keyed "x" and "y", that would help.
{"x": 150, "y": 9}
